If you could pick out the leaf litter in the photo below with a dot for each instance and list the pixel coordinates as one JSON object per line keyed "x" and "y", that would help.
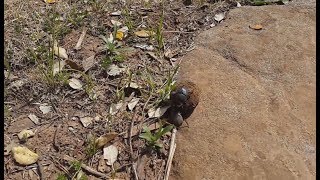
{"x": 24, "y": 156}
{"x": 75, "y": 83}
{"x": 45, "y": 108}
{"x": 34, "y": 118}
{"x": 110, "y": 153}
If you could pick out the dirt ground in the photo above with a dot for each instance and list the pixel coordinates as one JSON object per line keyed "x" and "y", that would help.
{"x": 257, "y": 114}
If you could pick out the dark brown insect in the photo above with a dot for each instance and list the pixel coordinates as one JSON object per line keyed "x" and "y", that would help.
{"x": 184, "y": 100}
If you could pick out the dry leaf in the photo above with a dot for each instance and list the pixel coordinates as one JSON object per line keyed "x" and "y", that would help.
{"x": 114, "y": 108}
{"x": 34, "y": 118}
{"x": 119, "y": 35}
{"x": 24, "y": 134}
{"x": 116, "y": 13}
{"x": 74, "y": 65}
{"x": 134, "y": 85}
{"x": 60, "y": 52}
{"x": 116, "y": 23}
{"x": 133, "y": 103}
{"x": 256, "y": 27}
{"x": 88, "y": 63}
{"x": 45, "y": 109}
{"x": 81, "y": 38}
{"x": 75, "y": 83}
{"x": 86, "y": 121}
{"x": 219, "y": 17}
{"x": 154, "y": 113}
{"x": 104, "y": 139}
{"x": 144, "y": 33}
{"x": 58, "y": 66}
{"x": 110, "y": 153}
{"x": 144, "y": 47}
{"x": 238, "y": 4}
{"x": 124, "y": 29}
{"x": 49, "y": 1}
{"x": 114, "y": 70}
{"x": 24, "y": 156}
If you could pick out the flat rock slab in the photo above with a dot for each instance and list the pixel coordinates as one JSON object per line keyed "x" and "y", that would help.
{"x": 257, "y": 113}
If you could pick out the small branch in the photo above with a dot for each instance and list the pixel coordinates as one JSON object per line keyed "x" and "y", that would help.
{"x": 55, "y": 144}
{"x": 145, "y": 105}
{"x": 78, "y": 45}
{"x": 130, "y": 144}
{"x": 40, "y": 168}
{"x": 171, "y": 153}
{"x": 87, "y": 168}
{"x": 59, "y": 165}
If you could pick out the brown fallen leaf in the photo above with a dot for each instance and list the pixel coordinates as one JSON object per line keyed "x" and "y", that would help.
{"x": 88, "y": 63}
{"x": 144, "y": 33}
{"x": 256, "y": 27}
{"x": 104, "y": 139}
{"x": 74, "y": 65}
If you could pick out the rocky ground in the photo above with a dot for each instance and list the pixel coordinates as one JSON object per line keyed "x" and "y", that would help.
{"x": 257, "y": 113}
{"x": 82, "y": 79}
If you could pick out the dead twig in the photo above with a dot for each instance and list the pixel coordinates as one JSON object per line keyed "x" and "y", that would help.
{"x": 171, "y": 153}
{"x": 87, "y": 168}
{"x": 40, "y": 168}
{"x": 78, "y": 45}
{"x": 145, "y": 105}
{"x": 59, "y": 165}
{"x": 130, "y": 144}
{"x": 55, "y": 144}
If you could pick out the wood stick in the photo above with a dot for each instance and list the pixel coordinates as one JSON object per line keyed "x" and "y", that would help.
{"x": 87, "y": 168}
{"x": 171, "y": 153}
{"x": 78, "y": 45}
{"x": 130, "y": 144}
